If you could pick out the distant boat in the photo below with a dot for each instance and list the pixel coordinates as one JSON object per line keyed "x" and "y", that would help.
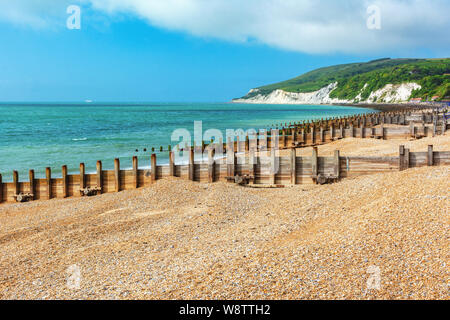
{"x": 88, "y": 101}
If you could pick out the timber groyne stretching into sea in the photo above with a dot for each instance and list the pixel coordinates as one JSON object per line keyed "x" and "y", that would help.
{"x": 254, "y": 162}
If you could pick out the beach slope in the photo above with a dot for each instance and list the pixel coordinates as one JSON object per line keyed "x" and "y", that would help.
{"x": 382, "y": 236}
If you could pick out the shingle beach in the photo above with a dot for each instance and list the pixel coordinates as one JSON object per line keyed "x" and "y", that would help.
{"x": 185, "y": 240}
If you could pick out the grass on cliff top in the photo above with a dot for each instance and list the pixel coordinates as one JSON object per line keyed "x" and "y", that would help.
{"x": 351, "y": 78}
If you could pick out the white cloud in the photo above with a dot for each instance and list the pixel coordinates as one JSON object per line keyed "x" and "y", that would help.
{"x": 313, "y": 26}
{"x": 36, "y": 14}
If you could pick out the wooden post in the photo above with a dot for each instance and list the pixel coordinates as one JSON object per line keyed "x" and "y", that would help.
{"x": 322, "y": 136}
{"x": 117, "y": 174}
{"x": 82, "y": 176}
{"x": 65, "y": 186}
{"x": 382, "y": 132}
{"x": 99, "y": 177}
{"x": 153, "y": 164}
{"x": 430, "y": 161}
{"x": 412, "y": 129}
{"x": 444, "y": 123}
{"x": 231, "y": 164}
{"x": 401, "y": 159}
{"x": 211, "y": 165}
{"x": 172, "y": 164}
{"x": 362, "y": 130}
{"x": 231, "y": 159}
{"x": 273, "y": 166}
{"x": 293, "y": 166}
{"x": 303, "y": 136}
{"x": 31, "y": 179}
{"x": 135, "y": 172}
{"x": 351, "y": 130}
{"x": 1, "y": 189}
{"x": 332, "y": 132}
{"x": 48, "y": 175}
{"x": 314, "y": 167}
{"x": 342, "y": 132}
{"x": 283, "y": 132}
{"x": 337, "y": 164}
{"x": 252, "y": 162}
{"x": 265, "y": 145}
{"x": 16, "y": 183}
{"x": 247, "y": 143}
{"x": 406, "y": 166}
{"x": 191, "y": 165}
{"x": 313, "y": 135}
{"x": 434, "y": 125}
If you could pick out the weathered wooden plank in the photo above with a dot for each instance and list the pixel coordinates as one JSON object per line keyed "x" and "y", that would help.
{"x": 430, "y": 156}
{"x": 314, "y": 163}
{"x": 1, "y": 189}
{"x": 159, "y": 172}
{"x": 444, "y": 124}
{"x": 231, "y": 158}
{"x": 135, "y": 173}
{"x": 401, "y": 158}
{"x": 172, "y": 164}
{"x": 192, "y": 165}
{"x": 64, "y": 182}
{"x": 99, "y": 177}
{"x": 336, "y": 163}
{"x": 379, "y": 159}
{"x": 441, "y": 158}
{"x": 123, "y": 180}
{"x": 153, "y": 165}
{"x": 407, "y": 158}
{"x": 48, "y": 176}
{"x": 116, "y": 175}
{"x": 325, "y": 165}
{"x": 293, "y": 166}
{"x": 211, "y": 165}
{"x": 82, "y": 176}
{"x": 16, "y": 182}
{"x": 273, "y": 166}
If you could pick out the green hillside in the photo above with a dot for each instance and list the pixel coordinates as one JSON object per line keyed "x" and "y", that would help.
{"x": 432, "y": 74}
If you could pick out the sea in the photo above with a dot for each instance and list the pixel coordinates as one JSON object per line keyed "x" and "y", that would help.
{"x": 40, "y": 135}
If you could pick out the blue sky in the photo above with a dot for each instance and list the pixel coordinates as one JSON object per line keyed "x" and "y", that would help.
{"x": 125, "y": 51}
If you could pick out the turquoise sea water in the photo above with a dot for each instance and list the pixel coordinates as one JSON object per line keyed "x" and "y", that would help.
{"x": 40, "y": 135}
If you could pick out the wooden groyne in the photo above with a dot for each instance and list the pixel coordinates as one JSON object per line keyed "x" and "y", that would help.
{"x": 243, "y": 164}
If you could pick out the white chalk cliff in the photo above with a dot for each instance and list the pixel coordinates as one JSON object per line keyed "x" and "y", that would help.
{"x": 398, "y": 93}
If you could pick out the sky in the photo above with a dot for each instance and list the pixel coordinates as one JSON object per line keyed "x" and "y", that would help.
{"x": 199, "y": 50}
